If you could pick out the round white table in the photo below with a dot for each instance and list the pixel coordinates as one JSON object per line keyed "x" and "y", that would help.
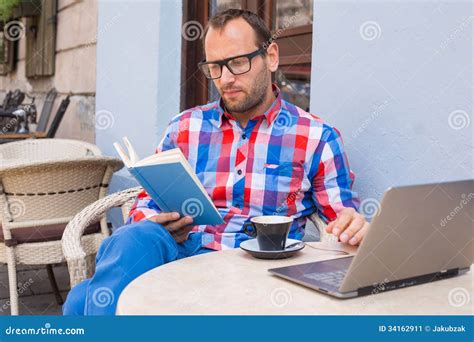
{"x": 232, "y": 282}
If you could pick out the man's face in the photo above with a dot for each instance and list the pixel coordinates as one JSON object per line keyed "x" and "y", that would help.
{"x": 240, "y": 93}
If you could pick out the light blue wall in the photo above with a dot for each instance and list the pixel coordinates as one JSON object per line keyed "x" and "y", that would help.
{"x": 138, "y": 74}
{"x": 396, "y": 79}
{"x": 138, "y": 77}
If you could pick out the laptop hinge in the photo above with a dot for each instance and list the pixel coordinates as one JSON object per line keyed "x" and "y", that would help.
{"x": 396, "y": 284}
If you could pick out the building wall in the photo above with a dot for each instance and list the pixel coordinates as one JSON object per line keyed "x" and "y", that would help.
{"x": 138, "y": 75}
{"x": 75, "y": 70}
{"x": 396, "y": 79}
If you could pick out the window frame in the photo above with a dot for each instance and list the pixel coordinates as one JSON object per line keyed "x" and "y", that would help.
{"x": 194, "y": 86}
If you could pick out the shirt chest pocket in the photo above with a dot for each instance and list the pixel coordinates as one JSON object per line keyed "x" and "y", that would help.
{"x": 283, "y": 182}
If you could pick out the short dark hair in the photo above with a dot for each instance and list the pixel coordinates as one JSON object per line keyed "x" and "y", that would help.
{"x": 262, "y": 33}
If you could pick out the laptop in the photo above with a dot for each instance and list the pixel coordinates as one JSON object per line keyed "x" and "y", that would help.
{"x": 421, "y": 233}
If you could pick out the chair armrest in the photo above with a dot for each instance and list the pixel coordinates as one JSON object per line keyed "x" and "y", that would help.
{"x": 321, "y": 227}
{"x": 71, "y": 240}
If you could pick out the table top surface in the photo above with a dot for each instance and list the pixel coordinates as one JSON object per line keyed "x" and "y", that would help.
{"x": 232, "y": 282}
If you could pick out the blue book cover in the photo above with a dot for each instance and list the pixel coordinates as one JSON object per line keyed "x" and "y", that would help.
{"x": 169, "y": 179}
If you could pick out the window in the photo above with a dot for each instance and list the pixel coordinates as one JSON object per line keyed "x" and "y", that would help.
{"x": 291, "y": 24}
{"x": 293, "y": 27}
{"x": 39, "y": 31}
{"x": 7, "y": 53}
{"x": 41, "y": 41}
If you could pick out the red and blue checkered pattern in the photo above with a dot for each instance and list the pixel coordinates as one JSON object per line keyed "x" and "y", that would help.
{"x": 284, "y": 162}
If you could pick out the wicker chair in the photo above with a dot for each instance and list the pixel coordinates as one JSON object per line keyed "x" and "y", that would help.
{"x": 38, "y": 197}
{"x": 80, "y": 267}
{"x": 45, "y": 149}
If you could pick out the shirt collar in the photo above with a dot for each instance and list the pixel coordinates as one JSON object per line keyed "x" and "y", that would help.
{"x": 269, "y": 115}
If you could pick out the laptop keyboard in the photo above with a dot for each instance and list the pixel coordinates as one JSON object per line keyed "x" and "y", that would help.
{"x": 333, "y": 278}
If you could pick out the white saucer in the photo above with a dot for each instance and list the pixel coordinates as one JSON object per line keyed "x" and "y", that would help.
{"x": 251, "y": 247}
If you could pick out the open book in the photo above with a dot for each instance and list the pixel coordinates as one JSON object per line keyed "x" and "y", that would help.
{"x": 171, "y": 182}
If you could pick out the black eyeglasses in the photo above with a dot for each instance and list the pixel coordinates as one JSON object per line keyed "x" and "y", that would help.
{"x": 237, "y": 65}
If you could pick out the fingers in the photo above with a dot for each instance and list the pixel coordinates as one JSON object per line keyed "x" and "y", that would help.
{"x": 342, "y": 221}
{"x": 357, "y": 238}
{"x": 356, "y": 224}
{"x": 163, "y": 218}
{"x": 179, "y": 228}
{"x": 181, "y": 234}
{"x": 350, "y": 226}
{"x": 175, "y": 225}
{"x": 330, "y": 226}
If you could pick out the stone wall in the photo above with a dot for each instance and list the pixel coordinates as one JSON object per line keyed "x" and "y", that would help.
{"x": 75, "y": 70}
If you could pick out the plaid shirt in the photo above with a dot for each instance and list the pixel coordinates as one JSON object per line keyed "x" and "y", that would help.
{"x": 284, "y": 162}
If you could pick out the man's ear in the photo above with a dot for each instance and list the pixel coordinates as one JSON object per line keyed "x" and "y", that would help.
{"x": 273, "y": 57}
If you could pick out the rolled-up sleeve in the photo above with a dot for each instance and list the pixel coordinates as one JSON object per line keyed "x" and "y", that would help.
{"x": 333, "y": 180}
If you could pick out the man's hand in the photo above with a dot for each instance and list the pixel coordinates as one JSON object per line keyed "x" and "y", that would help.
{"x": 350, "y": 226}
{"x": 179, "y": 228}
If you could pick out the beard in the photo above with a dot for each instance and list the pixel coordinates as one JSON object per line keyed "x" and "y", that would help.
{"x": 252, "y": 98}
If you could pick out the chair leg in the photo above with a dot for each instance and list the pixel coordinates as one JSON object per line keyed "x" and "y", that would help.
{"x": 54, "y": 285}
{"x": 12, "y": 281}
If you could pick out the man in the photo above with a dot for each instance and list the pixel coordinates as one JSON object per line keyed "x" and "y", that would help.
{"x": 254, "y": 153}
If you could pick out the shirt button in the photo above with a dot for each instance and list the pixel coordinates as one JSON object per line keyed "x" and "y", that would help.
{"x": 239, "y": 172}
{"x": 244, "y": 136}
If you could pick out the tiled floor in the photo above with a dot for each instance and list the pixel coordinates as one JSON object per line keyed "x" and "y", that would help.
{"x": 36, "y": 297}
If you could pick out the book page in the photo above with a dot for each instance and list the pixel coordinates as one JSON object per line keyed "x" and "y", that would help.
{"x": 131, "y": 151}
{"x": 122, "y": 155}
{"x": 169, "y": 156}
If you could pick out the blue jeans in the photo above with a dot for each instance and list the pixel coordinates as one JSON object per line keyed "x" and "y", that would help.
{"x": 128, "y": 253}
